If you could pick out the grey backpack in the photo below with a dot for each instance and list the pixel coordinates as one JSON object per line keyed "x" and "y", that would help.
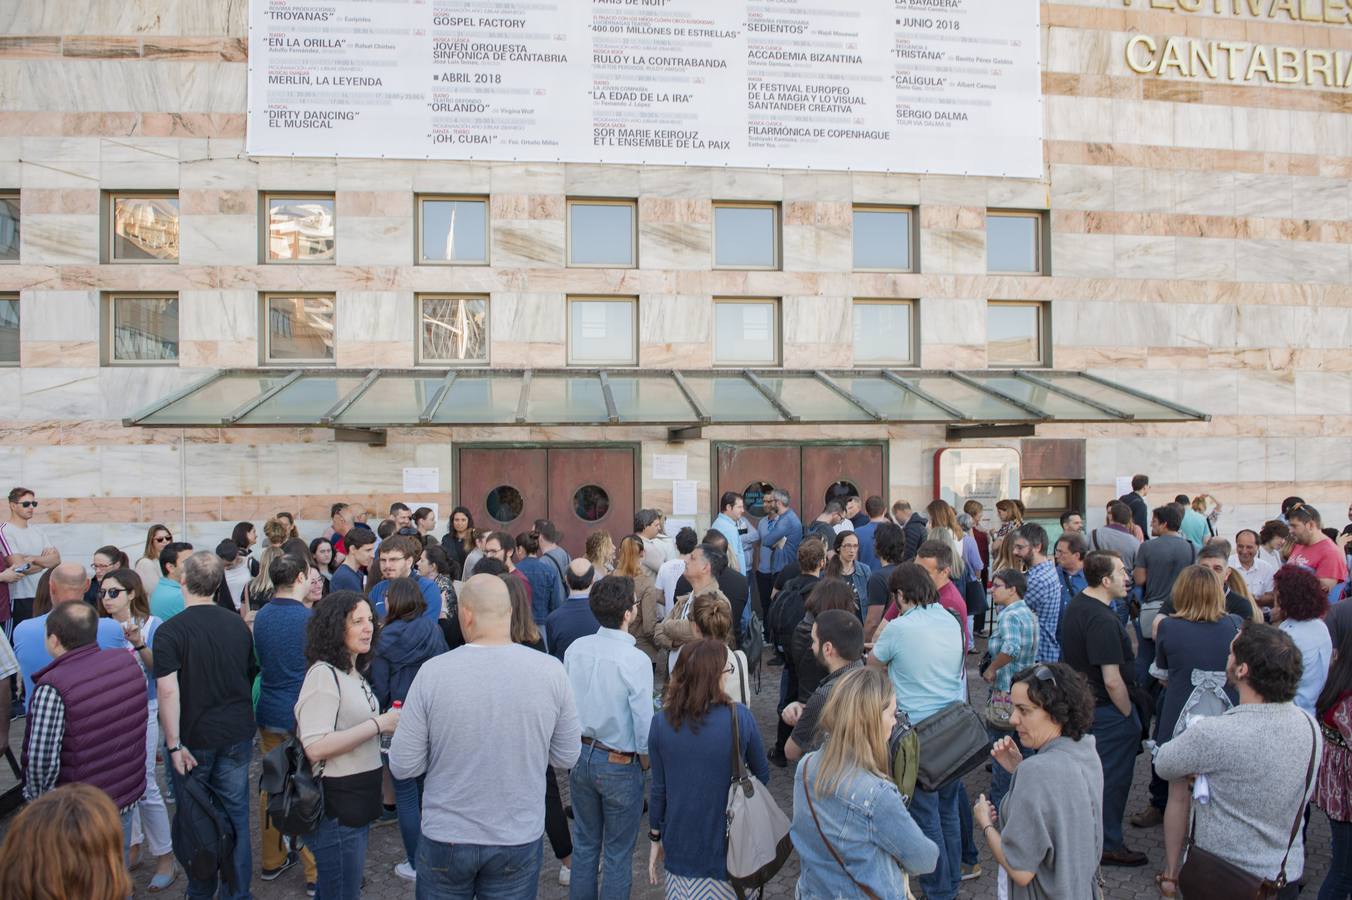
{"x": 758, "y": 831}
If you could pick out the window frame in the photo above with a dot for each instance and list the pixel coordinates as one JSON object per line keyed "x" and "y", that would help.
{"x": 1044, "y": 330}
{"x": 912, "y": 235}
{"x": 264, "y": 215}
{"x": 1048, "y": 512}
{"x": 420, "y": 360}
{"x": 108, "y": 328}
{"x": 776, "y": 209}
{"x": 599, "y": 201}
{"x": 14, "y": 296}
{"x": 776, "y": 339}
{"x": 631, "y": 300}
{"x": 419, "y": 199}
{"x": 913, "y": 308}
{"x": 14, "y": 195}
{"x": 1041, "y": 244}
{"x": 108, "y": 239}
{"x": 265, "y": 329}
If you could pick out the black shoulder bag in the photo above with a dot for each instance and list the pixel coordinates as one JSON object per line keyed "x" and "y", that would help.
{"x": 295, "y": 789}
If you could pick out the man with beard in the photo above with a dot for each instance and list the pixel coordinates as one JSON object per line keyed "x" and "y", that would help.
{"x": 838, "y": 644}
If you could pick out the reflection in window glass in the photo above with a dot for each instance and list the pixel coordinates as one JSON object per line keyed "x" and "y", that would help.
{"x": 755, "y": 495}
{"x": 882, "y": 332}
{"x": 9, "y": 329}
{"x": 9, "y": 228}
{"x": 145, "y": 329}
{"x": 745, "y": 237}
{"x": 1045, "y": 497}
{"x": 454, "y": 231}
{"x": 300, "y": 229}
{"x": 1013, "y": 334}
{"x": 300, "y": 328}
{"x": 453, "y": 329}
{"x": 591, "y": 503}
{"x": 600, "y": 234}
{"x": 744, "y": 333}
{"x": 839, "y": 490}
{"x": 1012, "y": 243}
{"x": 882, "y": 239}
{"x": 144, "y": 228}
{"x": 504, "y": 503}
{"x": 601, "y": 332}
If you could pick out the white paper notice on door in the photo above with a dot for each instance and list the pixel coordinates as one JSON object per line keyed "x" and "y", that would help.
{"x": 684, "y": 497}
{"x": 669, "y": 466}
{"x": 422, "y": 480}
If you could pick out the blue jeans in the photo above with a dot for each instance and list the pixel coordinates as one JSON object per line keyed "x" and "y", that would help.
{"x": 340, "y": 856}
{"x": 969, "y": 854}
{"x": 467, "y": 871}
{"x": 226, "y": 772}
{"x": 408, "y": 801}
{"x": 1338, "y": 883}
{"x": 607, "y": 807}
{"x": 1116, "y": 738}
{"x": 937, "y": 815}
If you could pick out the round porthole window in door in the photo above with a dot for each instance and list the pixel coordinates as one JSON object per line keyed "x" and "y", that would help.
{"x": 754, "y": 497}
{"x": 840, "y": 490}
{"x": 591, "y": 503}
{"x": 504, "y": 504}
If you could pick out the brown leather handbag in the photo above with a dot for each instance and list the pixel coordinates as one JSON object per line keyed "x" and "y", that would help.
{"x": 1206, "y": 876}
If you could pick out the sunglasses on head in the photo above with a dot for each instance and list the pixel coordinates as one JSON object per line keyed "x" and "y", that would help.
{"x": 1043, "y": 673}
{"x": 112, "y": 593}
{"x": 29, "y": 504}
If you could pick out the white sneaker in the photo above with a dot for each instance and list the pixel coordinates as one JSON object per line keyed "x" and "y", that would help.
{"x": 405, "y": 871}
{"x": 565, "y": 876}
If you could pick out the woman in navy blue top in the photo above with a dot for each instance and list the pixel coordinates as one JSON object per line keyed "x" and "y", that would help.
{"x": 689, "y": 747}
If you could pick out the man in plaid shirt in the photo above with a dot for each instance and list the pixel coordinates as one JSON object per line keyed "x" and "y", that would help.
{"x": 1013, "y": 648}
{"x": 1045, "y": 597}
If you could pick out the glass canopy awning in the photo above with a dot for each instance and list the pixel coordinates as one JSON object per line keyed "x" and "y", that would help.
{"x": 398, "y": 398}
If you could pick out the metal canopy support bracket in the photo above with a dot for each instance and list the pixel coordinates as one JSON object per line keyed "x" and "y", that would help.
{"x": 999, "y": 394}
{"x": 612, "y": 414}
{"x": 769, "y": 395}
{"x": 248, "y": 407}
{"x": 958, "y": 432}
{"x": 373, "y": 437}
{"x": 524, "y": 400}
{"x": 1065, "y": 392}
{"x": 1132, "y": 392}
{"x": 438, "y": 397}
{"x": 352, "y": 397}
{"x": 700, "y": 412}
{"x": 678, "y": 433}
{"x": 837, "y": 388}
{"x": 925, "y": 395}
{"x": 146, "y": 412}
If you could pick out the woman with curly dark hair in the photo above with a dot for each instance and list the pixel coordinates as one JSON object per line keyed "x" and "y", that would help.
{"x": 339, "y": 722}
{"x": 1051, "y": 821}
{"x": 1298, "y": 607}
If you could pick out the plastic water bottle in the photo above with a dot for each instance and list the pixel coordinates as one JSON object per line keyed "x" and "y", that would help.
{"x": 385, "y": 738}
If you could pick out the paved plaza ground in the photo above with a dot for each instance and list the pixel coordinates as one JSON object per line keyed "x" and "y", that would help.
{"x": 386, "y": 849}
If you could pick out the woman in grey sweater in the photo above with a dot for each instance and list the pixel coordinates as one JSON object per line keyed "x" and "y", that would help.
{"x": 1265, "y": 742}
{"x": 1050, "y": 836}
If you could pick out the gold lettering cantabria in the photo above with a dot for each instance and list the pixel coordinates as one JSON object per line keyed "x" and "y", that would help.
{"x": 1331, "y": 12}
{"x": 1238, "y": 61}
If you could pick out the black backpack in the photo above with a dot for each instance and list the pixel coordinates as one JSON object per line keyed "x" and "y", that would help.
{"x": 787, "y": 611}
{"x": 204, "y": 837}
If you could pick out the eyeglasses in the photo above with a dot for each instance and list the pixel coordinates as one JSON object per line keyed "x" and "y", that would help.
{"x": 29, "y": 504}
{"x": 164, "y": 539}
{"x": 1043, "y": 673}
{"x": 112, "y": 593}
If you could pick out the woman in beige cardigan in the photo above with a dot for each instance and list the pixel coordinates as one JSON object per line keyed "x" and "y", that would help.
{"x": 649, "y": 597}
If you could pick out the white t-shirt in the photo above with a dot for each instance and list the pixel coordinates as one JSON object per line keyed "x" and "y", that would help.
{"x": 844, "y": 526}
{"x": 236, "y": 579}
{"x": 1259, "y": 578}
{"x": 30, "y": 541}
{"x": 666, "y": 579}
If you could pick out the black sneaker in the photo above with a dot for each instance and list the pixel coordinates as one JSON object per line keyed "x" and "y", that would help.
{"x": 273, "y": 874}
{"x": 778, "y": 758}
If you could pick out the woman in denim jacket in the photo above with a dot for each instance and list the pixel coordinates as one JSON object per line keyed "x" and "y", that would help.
{"x": 850, "y": 827}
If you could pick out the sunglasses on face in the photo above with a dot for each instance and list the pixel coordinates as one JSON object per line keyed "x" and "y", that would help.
{"x": 29, "y": 504}
{"x": 112, "y": 593}
{"x": 164, "y": 539}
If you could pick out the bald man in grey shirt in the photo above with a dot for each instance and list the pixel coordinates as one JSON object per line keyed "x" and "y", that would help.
{"x": 482, "y": 723}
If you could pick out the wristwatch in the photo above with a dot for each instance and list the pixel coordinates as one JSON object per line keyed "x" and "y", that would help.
{"x": 174, "y": 749}
{"x": 655, "y": 836}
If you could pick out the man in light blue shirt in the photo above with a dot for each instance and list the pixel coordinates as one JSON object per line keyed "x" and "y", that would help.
{"x": 68, "y": 584}
{"x": 731, "y": 508}
{"x": 781, "y": 526}
{"x": 612, "y": 683}
{"x": 166, "y": 596}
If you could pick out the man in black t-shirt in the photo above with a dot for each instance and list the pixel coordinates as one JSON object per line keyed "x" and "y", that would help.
{"x": 204, "y": 671}
{"x": 889, "y": 543}
{"x": 838, "y": 644}
{"x": 1094, "y": 643}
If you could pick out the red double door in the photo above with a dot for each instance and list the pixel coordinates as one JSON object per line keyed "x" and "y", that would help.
{"x": 579, "y": 489}
{"x": 813, "y": 474}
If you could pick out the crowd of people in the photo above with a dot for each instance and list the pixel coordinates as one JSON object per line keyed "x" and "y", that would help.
{"x": 446, "y": 685}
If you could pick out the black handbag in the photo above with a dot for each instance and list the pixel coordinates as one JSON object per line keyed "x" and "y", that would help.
{"x": 953, "y": 742}
{"x": 295, "y": 789}
{"x": 1206, "y": 876}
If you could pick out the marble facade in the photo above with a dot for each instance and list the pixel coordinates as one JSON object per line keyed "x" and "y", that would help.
{"x": 1200, "y": 247}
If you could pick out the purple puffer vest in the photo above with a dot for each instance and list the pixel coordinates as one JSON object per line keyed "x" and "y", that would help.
{"x": 104, "y": 692}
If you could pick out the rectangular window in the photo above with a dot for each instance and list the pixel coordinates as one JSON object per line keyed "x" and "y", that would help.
{"x": 141, "y": 329}
{"x": 746, "y": 332}
{"x": 9, "y": 329}
{"x": 602, "y": 331}
{"x": 452, "y": 330}
{"x": 1016, "y": 333}
{"x": 884, "y": 332}
{"x": 9, "y": 227}
{"x": 602, "y": 233}
{"x": 882, "y": 239}
{"x": 1014, "y": 242}
{"x": 298, "y": 228}
{"x": 746, "y": 235}
{"x": 141, "y": 227}
{"x": 453, "y": 231}
{"x": 298, "y": 328}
